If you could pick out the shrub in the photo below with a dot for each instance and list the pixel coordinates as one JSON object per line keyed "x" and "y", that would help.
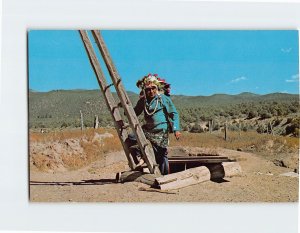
{"x": 260, "y": 129}
{"x": 233, "y": 128}
{"x": 265, "y": 115}
{"x": 64, "y": 125}
{"x": 294, "y": 127}
{"x": 252, "y": 114}
{"x": 276, "y": 122}
{"x": 196, "y": 129}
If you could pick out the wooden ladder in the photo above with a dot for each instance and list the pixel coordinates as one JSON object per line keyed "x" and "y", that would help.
{"x": 121, "y": 127}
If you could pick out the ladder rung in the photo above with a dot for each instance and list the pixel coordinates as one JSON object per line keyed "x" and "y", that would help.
{"x": 125, "y": 126}
{"x": 108, "y": 86}
{"x": 118, "y": 82}
{"x": 145, "y": 145}
{"x": 135, "y": 126}
{"x": 119, "y": 105}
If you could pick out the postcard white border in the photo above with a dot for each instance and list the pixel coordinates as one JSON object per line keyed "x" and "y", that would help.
{"x": 16, "y": 213}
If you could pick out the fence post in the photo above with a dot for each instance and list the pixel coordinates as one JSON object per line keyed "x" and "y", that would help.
{"x": 225, "y": 131}
{"x": 81, "y": 120}
{"x": 271, "y": 128}
{"x": 96, "y": 122}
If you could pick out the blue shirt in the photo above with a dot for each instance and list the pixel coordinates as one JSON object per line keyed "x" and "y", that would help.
{"x": 157, "y": 111}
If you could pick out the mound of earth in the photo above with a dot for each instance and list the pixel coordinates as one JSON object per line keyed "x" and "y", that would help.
{"x": 59, "y": 155}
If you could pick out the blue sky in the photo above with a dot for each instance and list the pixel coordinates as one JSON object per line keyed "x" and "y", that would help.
{"x": 200, "y": 62}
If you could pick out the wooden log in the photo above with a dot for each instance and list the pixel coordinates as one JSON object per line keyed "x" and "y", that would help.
{"x": 136, "y": 176}
{"x": 96, "y": 122}
{"x": 197, "y": 175}
{"x": 183, "y": 179}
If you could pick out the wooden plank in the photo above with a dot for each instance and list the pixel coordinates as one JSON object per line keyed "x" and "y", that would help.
{"x": 109, "y": 99}
{"x": 183, "y": 179}
{"x": 204, "y": 161}
{"x": 145, "y": 146}
{"x": 197, "y": 157}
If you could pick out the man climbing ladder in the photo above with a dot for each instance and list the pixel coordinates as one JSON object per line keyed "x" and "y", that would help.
{"x": 161, "y": 118}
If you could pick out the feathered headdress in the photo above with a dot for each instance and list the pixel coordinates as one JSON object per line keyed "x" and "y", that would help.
{"x": 153, "y": 79}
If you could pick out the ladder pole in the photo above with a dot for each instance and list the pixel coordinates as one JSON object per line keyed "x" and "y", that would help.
{"x": 145, "y": 147}
{"x": 110, "y": 102}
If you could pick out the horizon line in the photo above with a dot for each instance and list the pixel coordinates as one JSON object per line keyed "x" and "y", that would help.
{"x": 38, "y": 91}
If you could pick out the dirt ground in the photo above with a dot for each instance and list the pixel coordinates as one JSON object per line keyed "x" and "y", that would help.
{"x": 260, "y": 181}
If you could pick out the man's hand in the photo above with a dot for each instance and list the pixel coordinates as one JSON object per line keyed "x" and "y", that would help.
{"x": 177, "y": 135}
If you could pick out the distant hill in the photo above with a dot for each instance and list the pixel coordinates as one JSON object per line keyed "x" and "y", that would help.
{"x": 61, "y": 108}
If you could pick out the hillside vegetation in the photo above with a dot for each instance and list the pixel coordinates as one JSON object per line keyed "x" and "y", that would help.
{"x": 275, "y": 113}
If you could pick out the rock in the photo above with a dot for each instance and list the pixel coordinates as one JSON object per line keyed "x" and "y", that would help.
{"x": 279, "y": 163}
{"x": 239, "y": 149}
{"x": 296, "y": 170}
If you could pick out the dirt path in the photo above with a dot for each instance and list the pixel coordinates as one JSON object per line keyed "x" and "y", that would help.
{"x": 260, "y": 181}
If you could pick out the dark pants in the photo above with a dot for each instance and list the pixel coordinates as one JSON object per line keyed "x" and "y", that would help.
{"x": 159, "y": 152}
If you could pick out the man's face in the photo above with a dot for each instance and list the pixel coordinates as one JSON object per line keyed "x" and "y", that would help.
{"x": 151, "y": 91}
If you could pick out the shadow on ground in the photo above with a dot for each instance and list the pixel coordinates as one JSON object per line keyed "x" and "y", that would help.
{"x": 83, "y": 182}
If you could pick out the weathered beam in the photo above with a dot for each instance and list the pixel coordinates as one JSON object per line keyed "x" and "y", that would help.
{"x": 198, "y": 157}
{"x": 200, "y": 161}
{"x": 145, "y": 147}
{"x": 183, "y": 179}
{"x": 197, "y": 175}
{"x": 137, "y": 176}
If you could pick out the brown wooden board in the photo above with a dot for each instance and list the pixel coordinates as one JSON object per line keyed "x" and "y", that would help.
{"x": 199, "y": 159}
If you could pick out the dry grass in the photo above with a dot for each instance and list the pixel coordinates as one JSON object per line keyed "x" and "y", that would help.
{"x": 61, "y": 135}
{"x": 236, "y": 140}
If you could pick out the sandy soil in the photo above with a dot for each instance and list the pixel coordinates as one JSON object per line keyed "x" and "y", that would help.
{"x": 260, "y": 181}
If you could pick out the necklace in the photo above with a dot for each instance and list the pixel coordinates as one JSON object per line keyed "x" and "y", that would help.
{"x": 151, "y": 113}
